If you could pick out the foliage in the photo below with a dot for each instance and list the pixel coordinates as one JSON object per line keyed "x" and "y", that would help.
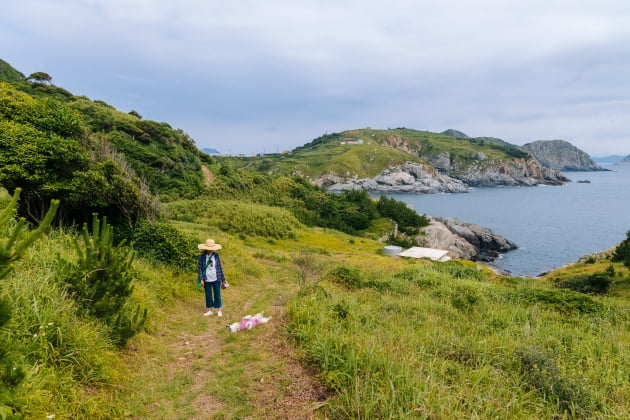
{"x": 51, "y": 143}
{"x": 40, "y": 76}
{"x": 308, "y": 267}
{"x": 237, "y": 217}
{"x": 13, "y": 243}
{"x": 101, "y": 281}
{"x": 401, "y": 241}
{"x": 8, "y": 73}
{"x": 163, "y": 243}
{"x": 596, "y": 283}
{"x": 541, "y": 373}
{"x": 564, "y": 301}
{"x": 408, "y": 220}
{"x": 622, "y": 252}
{"x": 434, "y": 340}
{"x": 347, "y": 276}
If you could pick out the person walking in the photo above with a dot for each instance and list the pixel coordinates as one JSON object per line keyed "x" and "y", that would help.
{"x": 211, "y": 275}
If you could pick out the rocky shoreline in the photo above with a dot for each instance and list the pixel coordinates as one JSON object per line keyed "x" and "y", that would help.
{"x": 418, "y": 178}
{"x": 464, "y": 240}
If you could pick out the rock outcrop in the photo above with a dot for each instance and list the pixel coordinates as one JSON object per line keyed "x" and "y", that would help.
{"x": 517, "y": 172}
{"x": 561, "y": 155}
{"x": 464, "y": 240}
{"x": 441, "y": 177}
{"x": 407, "y": 178}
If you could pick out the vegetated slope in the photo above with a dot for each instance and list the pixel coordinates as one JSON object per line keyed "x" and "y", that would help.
{"x": 53, "y": 143}
{"x": 364, "y": 153}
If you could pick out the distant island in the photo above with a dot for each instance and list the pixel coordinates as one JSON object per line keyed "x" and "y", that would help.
{"x": 210, "y": 151}
{"x": 608, "y": 160}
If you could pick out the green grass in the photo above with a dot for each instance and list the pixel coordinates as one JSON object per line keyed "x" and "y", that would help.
{"x": 388, "y": 337}
{"x": 448, "y": 347}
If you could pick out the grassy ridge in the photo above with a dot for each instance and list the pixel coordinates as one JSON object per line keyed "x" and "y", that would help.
{"x": 379, "y": 150}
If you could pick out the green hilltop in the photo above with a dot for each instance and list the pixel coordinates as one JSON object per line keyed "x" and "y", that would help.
{"x": 366, "y": 152}
{"x": 103, "y": 320}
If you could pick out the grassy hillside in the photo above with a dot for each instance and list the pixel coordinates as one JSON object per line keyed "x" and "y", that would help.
{"x": 354, "y": 333}
{"x": 366, "y": 152}
{"x": 375, "y": 337}
{"x": 89, "y": 146}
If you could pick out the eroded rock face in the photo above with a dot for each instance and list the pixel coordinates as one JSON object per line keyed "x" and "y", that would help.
{"x": 518, "y": 172}
{"x": 464, "y": 240}
{"x": 561, "y": 155}
{"x": 441, "y": 176}
{"x": 407, "y": 178}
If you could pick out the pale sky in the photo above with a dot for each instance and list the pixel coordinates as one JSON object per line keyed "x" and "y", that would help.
{"x": 256, "y": 76}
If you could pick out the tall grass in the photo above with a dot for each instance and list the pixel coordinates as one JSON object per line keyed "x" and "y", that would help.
{"x": 451, "y": 344}
{"x": 236, "y": 217}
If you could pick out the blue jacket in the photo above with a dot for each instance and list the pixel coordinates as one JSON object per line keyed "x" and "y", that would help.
{"x": 201, "y": 267}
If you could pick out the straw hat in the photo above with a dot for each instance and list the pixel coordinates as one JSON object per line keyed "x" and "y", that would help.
{"x": 209, "y": 245}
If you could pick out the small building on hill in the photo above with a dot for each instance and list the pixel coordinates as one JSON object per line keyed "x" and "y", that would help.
{"x": 431, "y": 253}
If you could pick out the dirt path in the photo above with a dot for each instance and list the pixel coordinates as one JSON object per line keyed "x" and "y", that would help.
{"x": 208, "y": 175}
{"x": 193, "y": 368}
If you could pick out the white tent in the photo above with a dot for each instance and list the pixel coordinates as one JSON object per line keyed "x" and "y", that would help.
{"x": 431, "y": 253}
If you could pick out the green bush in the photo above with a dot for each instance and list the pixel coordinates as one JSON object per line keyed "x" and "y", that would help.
{"x": 346, "y": 276}
{"x": 237, "y": 217}
{"x": 540, "y": 371}
{"x": 622, "y": 252}
{"x": 162, "y": 242}
{"x": 408, "y": 220}
{"x": 101, "y": 280}
{"x": 564, "y": 301}
{"x": 596, "y": 283}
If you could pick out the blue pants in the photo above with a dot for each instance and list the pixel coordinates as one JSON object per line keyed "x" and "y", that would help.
{"x": 213, "y": 294}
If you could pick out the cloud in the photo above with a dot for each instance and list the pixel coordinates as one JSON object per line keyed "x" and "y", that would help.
{"x": 516, "y": 70}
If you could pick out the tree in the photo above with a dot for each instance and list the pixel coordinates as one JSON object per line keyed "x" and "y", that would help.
{"x": 101, "y": 280}
{"x": 42, "y": 165}
{"x": 622, "y": 252}
{"x": 40, "y": 77}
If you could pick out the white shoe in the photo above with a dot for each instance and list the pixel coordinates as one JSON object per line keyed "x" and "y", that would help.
{"x": 208, "y": 313}
{"x": 219, "y": 313}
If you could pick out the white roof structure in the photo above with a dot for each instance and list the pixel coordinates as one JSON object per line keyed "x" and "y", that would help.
{"x": 432, "y": 253}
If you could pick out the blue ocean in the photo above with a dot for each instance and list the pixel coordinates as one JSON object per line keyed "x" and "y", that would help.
{"x": 552, "y": 225}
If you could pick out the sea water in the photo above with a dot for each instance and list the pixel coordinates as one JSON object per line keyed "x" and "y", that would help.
{"x": 551, "y": 225}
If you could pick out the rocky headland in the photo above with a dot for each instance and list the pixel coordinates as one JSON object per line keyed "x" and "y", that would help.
{"x": 561, "y": 155}
{"x": 441, "y": 176}
{"x": 407, "y": 178}
{"x": 464, "y": 240}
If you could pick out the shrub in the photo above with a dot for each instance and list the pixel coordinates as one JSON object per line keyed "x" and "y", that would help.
{"x": 357, "y": 221}
{"x": 565, "y": 301}
{"x": 162, "y": 242}
{"x": 622, "y": 252}
{"x": 541, "y": 373}
{"x": 596, "y": 283}
{"x": 348, "y": 277}
{"x": 408, "y": 220}
{"x": 100, "y": 280}
{"x": 237, "y": 217}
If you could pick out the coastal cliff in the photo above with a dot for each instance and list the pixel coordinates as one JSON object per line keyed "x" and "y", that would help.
{"x": 561, "y": 155}
{"x": 409, "y": 177}
{"x": 442, "y": 177}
